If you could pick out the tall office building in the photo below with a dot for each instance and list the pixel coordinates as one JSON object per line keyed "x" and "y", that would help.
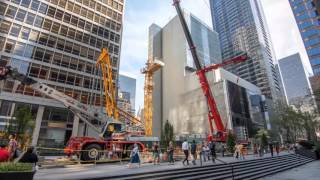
{"x": 306, "y": 13}
{"x": 177, "y": 95}
{"x": 294, "y": 79}
{"x": 56, "y": 42}
{"x": 242, "y": 28}
{"x": 127, "y": 88}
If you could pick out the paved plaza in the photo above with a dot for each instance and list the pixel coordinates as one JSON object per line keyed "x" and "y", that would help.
{"x": 102, "y": 170}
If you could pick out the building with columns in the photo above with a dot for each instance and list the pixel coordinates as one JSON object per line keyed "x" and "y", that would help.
{"x": 56, "y": 42}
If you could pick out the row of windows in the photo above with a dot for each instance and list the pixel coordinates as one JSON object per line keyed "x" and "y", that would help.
{"x": 50, "y": 73}
{"x": 47, "y": 56}
{"x": 57, "y": 43}
{"x": 47, "y": 24}
{"x": 72, "y": 7}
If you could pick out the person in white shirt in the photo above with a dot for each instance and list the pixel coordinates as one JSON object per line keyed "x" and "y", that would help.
{"x": 185, "y": 148}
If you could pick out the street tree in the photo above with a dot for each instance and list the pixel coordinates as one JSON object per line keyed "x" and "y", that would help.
{"x": 167, "y": 134}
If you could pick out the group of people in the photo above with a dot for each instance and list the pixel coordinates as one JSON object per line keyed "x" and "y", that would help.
{"x": 258, "y": 150}
{"x": 207, "y": 150}
{"x": 12, "y": 153}
{"x": 239, "y": 152}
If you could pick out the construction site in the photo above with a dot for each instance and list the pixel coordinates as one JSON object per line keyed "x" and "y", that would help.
{"x": 194, "y": 92}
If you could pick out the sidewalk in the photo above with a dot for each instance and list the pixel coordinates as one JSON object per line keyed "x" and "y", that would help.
{"x": 100, "y": 170}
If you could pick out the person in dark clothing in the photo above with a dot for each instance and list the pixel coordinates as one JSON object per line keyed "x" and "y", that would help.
{"x": 194, "y": 152}
{"x": 271, "y": 149}
{"x": 213, "y": 150}
{"x": 29, "y": 156}
{"x": 223, "y": 150}
{"x": 278, "y": 148}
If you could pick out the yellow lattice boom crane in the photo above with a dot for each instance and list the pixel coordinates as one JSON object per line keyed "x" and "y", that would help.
{"x": 112, "y": 110}
{"x": 151, "y": 67}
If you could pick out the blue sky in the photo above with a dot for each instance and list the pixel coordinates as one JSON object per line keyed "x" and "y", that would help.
{"x": 140, "y": 14}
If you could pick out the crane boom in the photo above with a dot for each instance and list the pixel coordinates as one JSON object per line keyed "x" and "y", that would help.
{"x": 213, "y": 113}
{"x": 79, "y": 109}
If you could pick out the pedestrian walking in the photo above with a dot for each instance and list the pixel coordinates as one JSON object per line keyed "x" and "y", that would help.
{"x": 12, "y": 147}
{"x": 185, "y": 148}
{"x": 134, "y": 156}
{"x": 194, "y": 152}
{"x": 156, "y": 154}
{"x": 237, "y": 151}
{"x": 29, "y": 156}
{"x": 271, "y": 149}
{"x": 255, "y": 150}
{"x": 213, "y": 150}
{"x": 223, "y": 150}
{"x": 170, "y": 153}
{"x": 278, "y": 148}
{"x": 242, "y": 151}
{"x": 204, "y": 151}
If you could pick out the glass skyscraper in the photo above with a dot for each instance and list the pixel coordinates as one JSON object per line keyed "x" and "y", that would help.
{"x": 242, "y": 28}
{"x": 56, "y": 42}
{"x": 306, "y": 13}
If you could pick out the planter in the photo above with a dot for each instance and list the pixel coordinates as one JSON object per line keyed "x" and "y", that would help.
{"x": 17, "y": 175}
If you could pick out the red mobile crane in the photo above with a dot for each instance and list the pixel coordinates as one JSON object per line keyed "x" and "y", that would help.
{"x": 111, "y": 133}
{"x": 213, "y": 113}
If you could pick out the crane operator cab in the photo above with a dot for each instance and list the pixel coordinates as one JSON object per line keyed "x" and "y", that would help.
{"x": 109, "y": 128}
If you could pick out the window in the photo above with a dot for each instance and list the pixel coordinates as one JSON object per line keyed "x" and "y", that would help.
{"x": 73, "y": 63}
{"x": 59, "y": 14}
{"x": 5, "y": 26}
{"x": 47, "y": 24}
{"x": 68, "y": 47}
{"x": 2, "y": 40}
{"x": 24, "y": 34}
{"x": 96, "y": 18}
{"x": 93, "y": 41}
{"x": 3, "y": 8}
{"x": 43, "y": 8}
{"x": 15, "y": 30}
{"x": 70, "y": 6}
{"x": 35, "y": 5}
{"x": 43, "y": 72}
{"x": 54, "y": 74}
{"x": 60, "y": 44}
{"x": 89, "y": 68}
{"x": 66, "y": 18}
{"x": 71, "y": 33}
{"x": 43, "y": 39}
{"x": 51, "y": 11}
{"x": 86, "y": 38}
{"x": 63, "y": 30}
{"x": 9, "y": 46}
{"x": 62, "y": 3}
{"x": 81, "y": 24}
{"x": 106, "y": 34}
{"x": 90, "y": 15}
{"x": 84, "y": 51}
{"x": 21, "y": 15}
{"x": 74, "y": 20}
{"x": 94, "y": 29}
{"x": 19, "y": 49}
{"x": 11, "y": 12}
{"x": 52, "y": 41}
{"x": 76, "y": 9}
{"x": 79, "y": 36}
{"x": 83, "y": 12}
{"x": 88, "y": 26}
{"x": 76, "y": 49}
{"x": 25, "y": 3}
{"x": 29, "y": 51}
{"x": 71, "y": 78}
{"x": 100, "y": 32}
{"x": 99, "y": 43}
{"x": 38, "y": 22}
{"x": 38, "y": 55}
{"x": 55, "y": 28}
{"x": 90, "y": 54}
{"x": 48, "y": 55}
{"x": 57, "y": 59}
{"x": 30, "y": 18}
{"x": 62, "y": 77}
{"x": 34, "y": 70}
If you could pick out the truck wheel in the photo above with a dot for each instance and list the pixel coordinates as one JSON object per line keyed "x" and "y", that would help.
{"x": 91, "y": 152}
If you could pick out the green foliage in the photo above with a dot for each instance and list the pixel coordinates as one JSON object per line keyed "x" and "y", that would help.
{"x": 22, "y": 125}
{"x": 15, "y": 167}
{"x": 263, "y": 136}
{"x": 294, "y": 124}
{"x": 167, "y": 135}
{"x": 231, "y": 142}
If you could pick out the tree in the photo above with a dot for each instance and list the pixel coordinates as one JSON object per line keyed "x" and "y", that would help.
{"x": 263, "y": 136}
{"x": 231, "y": 142}
{"x": 167, "y": 135}
{"x": 22, "y": 125}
